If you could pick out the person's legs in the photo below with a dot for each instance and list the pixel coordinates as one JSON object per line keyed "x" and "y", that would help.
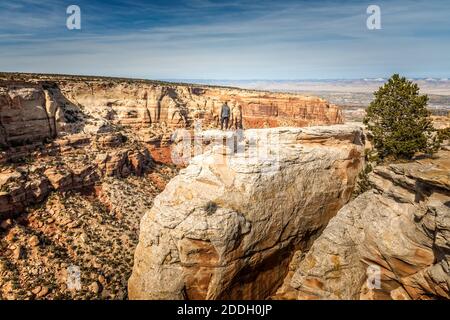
{"x": 222, "y": 121}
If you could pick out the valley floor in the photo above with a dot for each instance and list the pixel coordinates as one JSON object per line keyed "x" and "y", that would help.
{"x": 94, "y": 233}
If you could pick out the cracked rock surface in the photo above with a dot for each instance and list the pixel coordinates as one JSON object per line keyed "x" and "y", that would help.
{"x": 400, "y": 229}
{"x": 227, "y": 226}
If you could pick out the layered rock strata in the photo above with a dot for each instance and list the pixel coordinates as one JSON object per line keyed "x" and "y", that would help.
{"x": 392, "y": 242}
{"x": 34, "y": 108}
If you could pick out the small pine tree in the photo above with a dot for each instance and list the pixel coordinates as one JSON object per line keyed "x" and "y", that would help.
{"x": 400, "y": 121}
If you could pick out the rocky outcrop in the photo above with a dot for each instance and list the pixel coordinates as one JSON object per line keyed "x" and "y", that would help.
{"x": 31, "y": 112}
{"x": 392, "y": 242}
{"x": 70, "y": 163}
{"x": 228, "y": 225}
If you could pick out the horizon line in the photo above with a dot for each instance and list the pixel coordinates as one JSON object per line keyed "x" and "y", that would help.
{"x": 378, "y": 79}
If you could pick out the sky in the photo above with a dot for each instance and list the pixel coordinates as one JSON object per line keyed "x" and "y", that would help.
{"x": 235, "y": 40}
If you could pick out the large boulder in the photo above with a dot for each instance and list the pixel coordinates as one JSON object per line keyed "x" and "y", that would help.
{"x": 227, "y": 226}
{"x": 392, "y": 242}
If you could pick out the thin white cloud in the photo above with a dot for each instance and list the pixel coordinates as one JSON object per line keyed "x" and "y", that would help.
{"x": 257, "y": 40}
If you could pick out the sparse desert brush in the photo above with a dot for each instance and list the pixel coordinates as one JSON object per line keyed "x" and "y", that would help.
{"x": 210, "y": 207}
{"x": 363, "y": 183}
{"x": 444, "y": 134}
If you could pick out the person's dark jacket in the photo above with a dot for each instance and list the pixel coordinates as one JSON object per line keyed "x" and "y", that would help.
{"x": 225, "y": 111}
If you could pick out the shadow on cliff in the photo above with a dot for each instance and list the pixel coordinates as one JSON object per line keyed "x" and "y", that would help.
{"x": 54, "y": 114}
{"x": 67, "y": 116}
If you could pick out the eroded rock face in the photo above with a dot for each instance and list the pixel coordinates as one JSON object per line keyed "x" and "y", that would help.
{"x": 180, "y": 105}
{"x": 33, "y": 109}
{"x": 33, "y": 112}
{"x": 400, "y": 229}
{"x": 227, "y": 226}
{"x": 71, "y": 163}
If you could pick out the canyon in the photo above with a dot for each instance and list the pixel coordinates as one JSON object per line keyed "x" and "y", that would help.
{"x": 81, "y": 160}
{"x": 36, "y": 108}
{"x": 125, "y": 124}
{"x": 265, "y": 210}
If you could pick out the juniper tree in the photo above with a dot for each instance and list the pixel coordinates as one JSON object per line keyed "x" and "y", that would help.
{"x": 400, "y": 121}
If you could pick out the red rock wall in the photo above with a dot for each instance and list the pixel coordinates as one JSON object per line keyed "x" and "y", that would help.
{"x": 33, "y": 110}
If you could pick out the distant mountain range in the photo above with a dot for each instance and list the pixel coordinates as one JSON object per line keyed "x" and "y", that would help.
{"x": 344, "y": 92}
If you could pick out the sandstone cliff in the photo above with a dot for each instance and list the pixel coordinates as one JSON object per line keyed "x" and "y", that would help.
{"x": 228, "y": 225}
{"x": 34, "y": 108}
{"x": 47, "y": 115}
{"x": 399, "y": 230}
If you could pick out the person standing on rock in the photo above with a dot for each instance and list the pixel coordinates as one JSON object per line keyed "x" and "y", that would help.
{"x": 236, "y": 117}
{"x": 224, "y": 115}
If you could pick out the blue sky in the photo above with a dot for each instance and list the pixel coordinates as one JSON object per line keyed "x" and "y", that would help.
{"x": 209, "y": 39}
